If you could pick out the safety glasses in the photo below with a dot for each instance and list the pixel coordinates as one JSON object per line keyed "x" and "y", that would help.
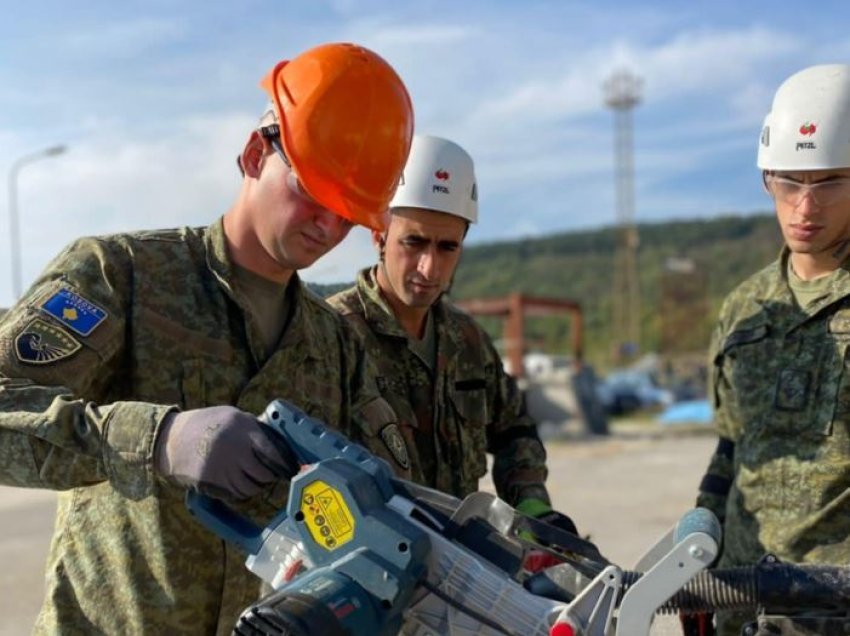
{"x": 272, "y": 133}
{"x": 823, "y": 193}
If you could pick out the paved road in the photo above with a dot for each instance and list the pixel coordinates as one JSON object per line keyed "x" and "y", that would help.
{"x": 625, "y": 491}
{"x": 25, "y": 529}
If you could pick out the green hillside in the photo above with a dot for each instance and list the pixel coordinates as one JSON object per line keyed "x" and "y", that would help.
{"x": 578, "y": 265}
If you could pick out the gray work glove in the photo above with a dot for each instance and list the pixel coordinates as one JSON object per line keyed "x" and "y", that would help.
{"x": 222, "y": 452}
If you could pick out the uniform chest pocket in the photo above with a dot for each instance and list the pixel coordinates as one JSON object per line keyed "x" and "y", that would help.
{"x": 739, "y": 388}
{"x": 842, "y": 401}
{"x": 778, "y": 385}
{"x": 469, "y": 399}
{"x": 176, "y": 362}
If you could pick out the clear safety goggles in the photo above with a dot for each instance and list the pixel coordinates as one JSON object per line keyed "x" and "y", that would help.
{"x": 823, "y": 193}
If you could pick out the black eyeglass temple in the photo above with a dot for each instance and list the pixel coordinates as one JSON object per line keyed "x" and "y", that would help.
{"x": 272, "y": 133}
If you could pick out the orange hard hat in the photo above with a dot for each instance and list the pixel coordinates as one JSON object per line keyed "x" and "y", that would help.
{"x": 346, "y": 125}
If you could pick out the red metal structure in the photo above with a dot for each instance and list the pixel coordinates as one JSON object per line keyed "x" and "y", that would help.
{"x": 513, "y": 309}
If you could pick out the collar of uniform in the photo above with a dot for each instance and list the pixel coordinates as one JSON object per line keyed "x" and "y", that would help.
{"x": 779, "y": 276}
{"x": 451, "y": 335}
{"x": 777, "y": 296}
{"x": 218, "y": 260}
{"x": 376, "y": 311}
{"x": 219, "y": 263}
{"x": 774, "y": 298}
{"x": 381, "y": 319}
{"x": 838, "y": 283}
{"x": 299, "y": 328}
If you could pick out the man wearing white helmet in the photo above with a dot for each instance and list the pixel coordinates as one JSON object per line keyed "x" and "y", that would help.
{"x": 780, "y": 478}
{"x": 439, "y": 369}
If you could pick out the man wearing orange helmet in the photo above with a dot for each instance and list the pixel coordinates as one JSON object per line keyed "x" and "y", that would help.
{"x": 132, "y": 368}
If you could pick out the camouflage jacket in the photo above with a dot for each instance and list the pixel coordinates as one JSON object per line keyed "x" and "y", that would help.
{"x": 115, "y": 332}
{"x": 467, "y": 407}
{"x": 781, "y": 394}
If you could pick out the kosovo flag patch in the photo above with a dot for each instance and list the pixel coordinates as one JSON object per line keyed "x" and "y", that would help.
{"x": 42, "y": 343}
{"x": 73, "y": 310}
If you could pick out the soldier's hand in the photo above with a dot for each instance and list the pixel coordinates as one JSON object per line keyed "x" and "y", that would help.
{"x": 537, "y": 560}
{"x": 559, "y": 520}
{"x": 222, "y": 452}
{"x": 542, "y": 511}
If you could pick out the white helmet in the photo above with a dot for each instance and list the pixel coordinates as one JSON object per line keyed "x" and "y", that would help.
{"x": 808, "y": 126}
{"x": 439, "y": 175}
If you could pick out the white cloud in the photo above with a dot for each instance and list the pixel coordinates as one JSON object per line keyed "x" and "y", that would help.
{"x": 419, "y": 35}
{"x": 712, "y": 59}
{"x": 121, "y": 38}
{"x": 118, "y": 181}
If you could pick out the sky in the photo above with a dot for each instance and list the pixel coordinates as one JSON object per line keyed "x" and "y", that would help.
{"x": 153, "y": 101}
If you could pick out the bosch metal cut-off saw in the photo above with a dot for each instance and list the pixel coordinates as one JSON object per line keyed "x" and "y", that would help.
{"x": 360, "y": 552}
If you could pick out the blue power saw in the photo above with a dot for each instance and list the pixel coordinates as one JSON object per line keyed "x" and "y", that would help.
{"x": 358, "y": 551}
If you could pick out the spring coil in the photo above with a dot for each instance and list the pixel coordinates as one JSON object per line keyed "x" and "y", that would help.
{"x": 710, "y": 590}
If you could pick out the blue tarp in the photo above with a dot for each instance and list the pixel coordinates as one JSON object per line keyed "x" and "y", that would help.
{"x": 688, "y": 412}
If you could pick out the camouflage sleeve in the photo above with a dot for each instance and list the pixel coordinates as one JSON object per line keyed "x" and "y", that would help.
{"x": 60, "y": 350}
{"x": 715, "y": 484}
{"x": 374, "y": 423}
{"x": 519, "y": 458}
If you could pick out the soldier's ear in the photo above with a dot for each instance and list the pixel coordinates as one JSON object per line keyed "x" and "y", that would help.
{"x": 378, "y": 239}
{"x": 252, "y": 155}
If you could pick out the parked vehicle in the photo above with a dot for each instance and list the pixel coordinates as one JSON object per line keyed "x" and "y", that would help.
{"x": 627, "y": 390}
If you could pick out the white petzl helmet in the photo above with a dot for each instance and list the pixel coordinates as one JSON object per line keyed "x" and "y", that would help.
{"x": 439, "y": 175}
{"x": 808, "y": 126}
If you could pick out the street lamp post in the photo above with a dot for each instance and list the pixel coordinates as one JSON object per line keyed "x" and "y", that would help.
{"x": 14, "y": 231}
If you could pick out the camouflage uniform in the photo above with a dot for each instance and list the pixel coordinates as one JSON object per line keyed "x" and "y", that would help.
{"x": 780, "y": 480}
{"x": 116, "y": 330}
{"x": 467, "y": 407}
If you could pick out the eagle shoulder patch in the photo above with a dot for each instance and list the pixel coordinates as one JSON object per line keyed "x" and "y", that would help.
{"x": 42, "y": 343}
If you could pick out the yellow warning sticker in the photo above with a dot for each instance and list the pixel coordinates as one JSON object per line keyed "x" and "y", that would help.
{"x": 327, "y": 516}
